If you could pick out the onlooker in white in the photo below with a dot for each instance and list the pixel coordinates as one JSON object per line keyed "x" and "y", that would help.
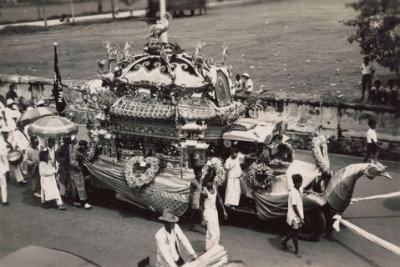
{"x": 248, "y": 83}
{"x": 234, "y": 172}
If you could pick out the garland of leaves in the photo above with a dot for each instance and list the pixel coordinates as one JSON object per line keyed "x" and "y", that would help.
{"x": 136, "y": 179}
{"x": 260, "y": 177}
{"x": 218, "y": 166}
{"x": 319, "y": 148}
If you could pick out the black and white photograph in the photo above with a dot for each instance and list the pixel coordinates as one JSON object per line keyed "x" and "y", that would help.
{"x": 199, "y": 133}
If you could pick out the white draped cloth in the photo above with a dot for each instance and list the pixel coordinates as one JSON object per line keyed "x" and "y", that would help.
{"x": 234, "y": 172}
{"x": 48, "y": 181}
{"x": 211, "y": 217}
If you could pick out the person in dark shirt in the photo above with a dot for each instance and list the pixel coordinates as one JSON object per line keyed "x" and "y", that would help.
{"x": 11, "y": 94}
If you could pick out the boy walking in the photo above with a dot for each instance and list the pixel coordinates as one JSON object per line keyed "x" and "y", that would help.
{"x": 295, "y": 216}
{"x": 372, "y": 142}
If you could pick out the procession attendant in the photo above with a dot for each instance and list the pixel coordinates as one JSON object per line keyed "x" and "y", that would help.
{"x": 51, "y": 148}
{"x": 4, "y": 166}
{"x": 367, "y": 71}
{"x": 48, "y": 182}
{"x": 32, "y": 161}
{"x": 210, "y": 198}
{"x": 3, "y": 122}
{"x": 94, "y": 133}
{"x": 19, "y": 142}
{"x": 12, "y": 115}
{"x": 62, "y": 158}
{"x": 11, "y": 94}
{"x": 233, "y": 174}
{"x": 295, "y": 215}
{"x": 372, "y": 142}
{"x": 78, "y": 182}
{"x": 237, "y": 85}
{"x": 168, "y": 239}
{"x": 195, "y": 191}
{"x": 247, "y": 83}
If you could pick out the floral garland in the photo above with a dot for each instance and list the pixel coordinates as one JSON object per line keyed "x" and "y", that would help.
{"x": 138, "y": 180}
{"x": 218, "y": 166}
{"x": 320, "y": 151}
{"x": 260, "y": 177}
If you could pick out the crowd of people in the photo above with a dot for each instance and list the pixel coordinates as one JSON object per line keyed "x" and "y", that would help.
{"x": 54, "y": 166}
{"x": 378, "y": 93}
{"x": 242, "y": 83}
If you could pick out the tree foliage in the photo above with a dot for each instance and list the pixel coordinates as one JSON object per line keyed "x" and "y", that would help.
{"x": 378, "y": 31}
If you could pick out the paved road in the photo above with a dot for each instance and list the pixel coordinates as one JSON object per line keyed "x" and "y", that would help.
{"x": 115, "y": 234}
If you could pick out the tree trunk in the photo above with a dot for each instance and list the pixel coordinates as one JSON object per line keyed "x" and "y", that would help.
{"x": 99, "y": 6}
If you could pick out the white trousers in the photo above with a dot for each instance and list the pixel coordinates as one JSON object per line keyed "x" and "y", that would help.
{"x": 3, "y": 185}
{"x": 213, "y": 233}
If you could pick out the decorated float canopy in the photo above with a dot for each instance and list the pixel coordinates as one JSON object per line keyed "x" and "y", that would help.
{"x": 251, "y": 130}
{"x": 165, "y": 75}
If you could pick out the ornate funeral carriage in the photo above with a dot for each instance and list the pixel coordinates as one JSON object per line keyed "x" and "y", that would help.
{"x": 164, "y": 108}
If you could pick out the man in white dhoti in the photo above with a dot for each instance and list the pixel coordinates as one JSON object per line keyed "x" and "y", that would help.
{"x": 210, "y": 199}
{"x": 233, "y": 174}
{"x": 4, "y": 167}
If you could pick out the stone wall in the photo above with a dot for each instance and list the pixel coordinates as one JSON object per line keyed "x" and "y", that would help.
{"x": 344, "y": 124}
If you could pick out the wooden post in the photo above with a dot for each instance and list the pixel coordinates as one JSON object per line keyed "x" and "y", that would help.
{"x": 44, "y": 12}
{"x": 112, "y": 9}
{"x": 163, "y": 10}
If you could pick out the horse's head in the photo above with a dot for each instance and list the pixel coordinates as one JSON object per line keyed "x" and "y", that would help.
{"x": 377, "y": 169}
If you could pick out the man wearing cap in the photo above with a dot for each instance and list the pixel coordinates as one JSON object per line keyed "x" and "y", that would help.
{"x": 168, "y": 250}
{"x": 248, "y": 83}
{"x": 11, "y": 94}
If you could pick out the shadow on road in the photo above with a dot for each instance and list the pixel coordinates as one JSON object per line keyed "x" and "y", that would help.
{"x": 392, "y": 204}
{"x": 356, "y": 253}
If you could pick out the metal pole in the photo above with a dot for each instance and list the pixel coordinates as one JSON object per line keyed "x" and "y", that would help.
{"x": 163, "y": 10}
{"x": 72, "y": 11}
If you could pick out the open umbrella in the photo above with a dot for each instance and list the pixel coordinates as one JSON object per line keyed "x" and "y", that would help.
{"x": 32, "y": 115}
{"x": 53, "y": 126}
